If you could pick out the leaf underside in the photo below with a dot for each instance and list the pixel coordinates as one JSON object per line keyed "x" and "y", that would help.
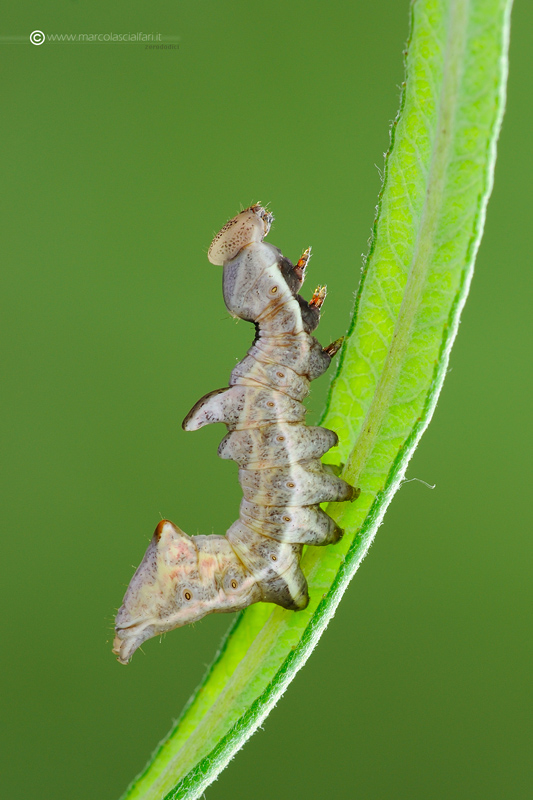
{"x": 430, "y": 217}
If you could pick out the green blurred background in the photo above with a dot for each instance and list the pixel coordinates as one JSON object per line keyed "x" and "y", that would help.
{"x": 118, "y": 164}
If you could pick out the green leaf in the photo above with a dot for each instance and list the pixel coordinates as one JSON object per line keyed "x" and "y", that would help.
{"x": 431, "y": 211}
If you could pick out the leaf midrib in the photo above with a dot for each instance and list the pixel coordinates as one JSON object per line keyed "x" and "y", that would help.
{"x": 423, "y": 246}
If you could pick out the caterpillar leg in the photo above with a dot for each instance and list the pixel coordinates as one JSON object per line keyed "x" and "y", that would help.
{"x": 274, "y": 564}
{"x": 333, "y": 348}
{"x": 293, "y": 524}
{"x": 301, "y": 264}
{"x": 319, "y": 295}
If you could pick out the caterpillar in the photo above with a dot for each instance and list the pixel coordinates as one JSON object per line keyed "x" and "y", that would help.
{"x": 182, "y": 578}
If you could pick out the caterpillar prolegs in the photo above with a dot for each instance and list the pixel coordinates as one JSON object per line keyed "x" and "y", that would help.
{"x": 182, "y": 578}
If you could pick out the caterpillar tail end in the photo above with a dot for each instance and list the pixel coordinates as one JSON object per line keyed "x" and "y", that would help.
{"x": 125, "y": 648}
{"x": 180, "y": 579}
{"x": 149, "y": 604}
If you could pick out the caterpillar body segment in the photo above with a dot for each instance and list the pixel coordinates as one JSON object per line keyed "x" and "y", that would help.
{"x": 182, "y": 578}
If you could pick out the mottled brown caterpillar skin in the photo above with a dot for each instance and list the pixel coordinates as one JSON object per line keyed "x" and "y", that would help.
{"x": 182, "y": 578}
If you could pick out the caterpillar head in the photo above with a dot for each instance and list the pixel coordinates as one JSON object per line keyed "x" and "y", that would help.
{"x": 251, "y": 225}
{"x": 179, "y": 582}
